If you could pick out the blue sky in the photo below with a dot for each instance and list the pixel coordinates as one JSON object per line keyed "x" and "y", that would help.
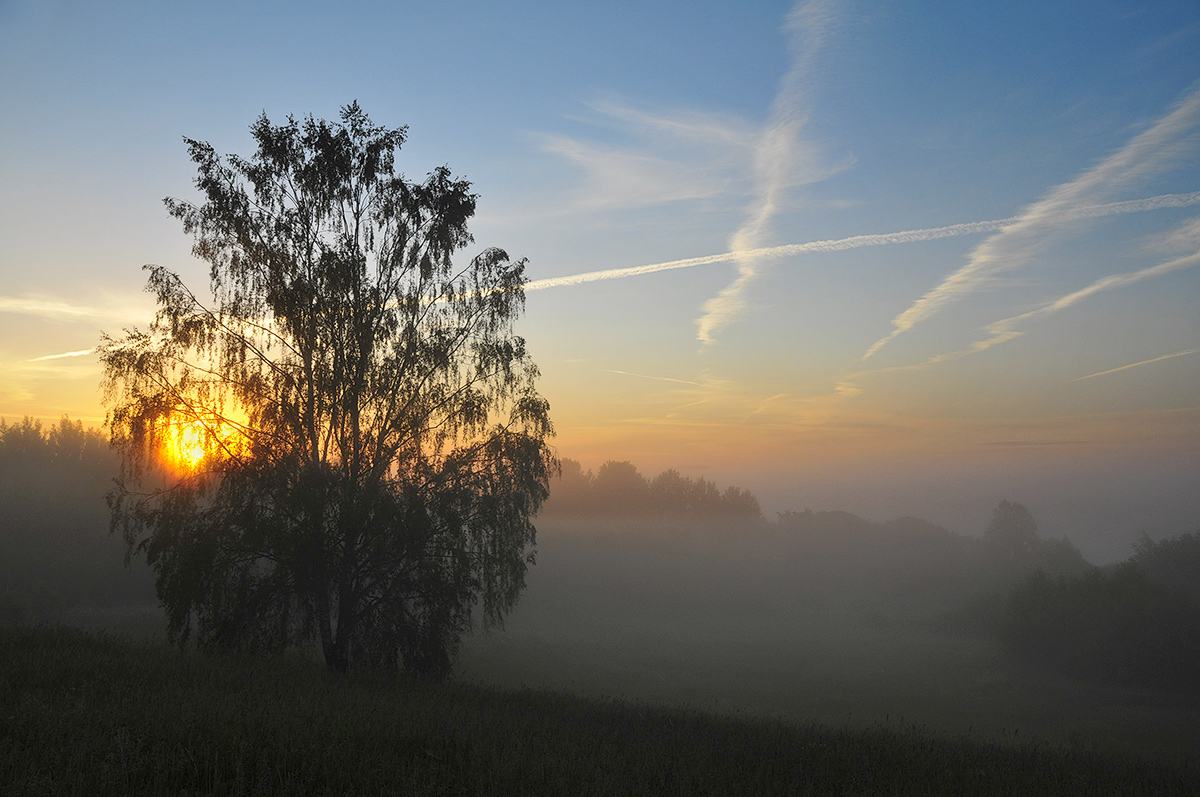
{"x": 1051, "y": 356}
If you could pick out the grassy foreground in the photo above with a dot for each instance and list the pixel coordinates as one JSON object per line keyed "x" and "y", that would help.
{"x": 82, "y": 713}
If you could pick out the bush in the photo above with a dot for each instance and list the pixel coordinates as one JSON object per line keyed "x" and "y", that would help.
{"x": 1120, "y": 626}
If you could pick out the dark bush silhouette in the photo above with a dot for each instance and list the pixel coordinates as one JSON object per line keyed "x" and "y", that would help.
{"x": 1173, "y": 562}
{"x": 1012, "y": 534}
{"x": 1118, "y": 625}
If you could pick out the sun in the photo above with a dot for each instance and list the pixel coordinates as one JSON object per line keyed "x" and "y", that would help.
{"x": 186, "y": 444}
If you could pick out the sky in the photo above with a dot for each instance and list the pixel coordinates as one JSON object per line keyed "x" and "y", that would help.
{"x": 893, "y": 258}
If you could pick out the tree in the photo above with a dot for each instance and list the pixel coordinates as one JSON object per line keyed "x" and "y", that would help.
{"x": 1012, "y": 532}
{"x": 360, "y": 446}
{"x": 619, "y": 487}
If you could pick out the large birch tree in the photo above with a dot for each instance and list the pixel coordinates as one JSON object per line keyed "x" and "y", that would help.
{"x": 344, "y": 440}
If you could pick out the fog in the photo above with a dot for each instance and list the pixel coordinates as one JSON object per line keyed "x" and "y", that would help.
{"x": 682, "y": 591}
{"x": 813, "y": 617}
{"x": 1103, "y": 504}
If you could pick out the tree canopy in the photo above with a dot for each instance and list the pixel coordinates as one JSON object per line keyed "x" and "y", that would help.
{"x": 359, "y": 444}
{"x": 1012, "y": 531}
{"x": 618, "y": 488}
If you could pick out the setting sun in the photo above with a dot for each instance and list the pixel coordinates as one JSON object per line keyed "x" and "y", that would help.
{"x": 188, "y": 443}
{"x": 185, "y": 444}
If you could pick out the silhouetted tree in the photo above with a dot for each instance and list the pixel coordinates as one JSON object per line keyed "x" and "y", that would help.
{"x": 572, "y": 487}
{"x": 1118, "y": 625}
{"x": 619, "y": 486}
{"x": 1012, "y": 532}
{"x": 1173, "y": 562}
{"x": 374, "y": 443}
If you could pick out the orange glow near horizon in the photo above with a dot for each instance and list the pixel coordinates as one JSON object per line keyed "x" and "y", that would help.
{"x": 187, "y": 444}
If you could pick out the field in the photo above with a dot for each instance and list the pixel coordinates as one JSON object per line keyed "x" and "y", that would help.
{"x": 84, "y": 713}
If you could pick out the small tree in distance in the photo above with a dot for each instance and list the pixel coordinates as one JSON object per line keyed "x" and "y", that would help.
{"x": 367, "y": 447}
{"x": 1012, "y": 532}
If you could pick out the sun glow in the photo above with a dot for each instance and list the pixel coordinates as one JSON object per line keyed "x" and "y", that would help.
{"x": 186, "y": 444}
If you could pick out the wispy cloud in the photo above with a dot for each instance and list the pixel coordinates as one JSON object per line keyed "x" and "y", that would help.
{"x": 80, "y": 353}
{"x": 1135, "y": 365}
{"x": 655, "y": 378}
{"x": 646, "y": 159}
{"x": 1147, "y": 154}
{"x": 65, "y": 311}
{"x": 48, "y": 308}
{"x": 857, "y": 241}
{"x": 1006, "y": 329}
{"x": 618, "y": 178}
{"x": 1184, "y": 238}
{"x": 781, "y": 159}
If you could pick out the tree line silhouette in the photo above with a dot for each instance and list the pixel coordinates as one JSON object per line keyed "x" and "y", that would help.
{"x": 1136, "y": 622}
{"x": 619, "y": 488}
{"x": 55, "y": 549}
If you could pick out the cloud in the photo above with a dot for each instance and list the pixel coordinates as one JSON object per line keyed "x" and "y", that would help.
{"x": 1183, "y": 238}
{"x": 1134, "y": 365}
{"x": 80, "y": 353}
{"x": 616, "y": 178}
{"x": 781, "y": 159}
{"x": 858, "y": 241}
{"x": 47, "y": 308}
{"x": 55, "y": 309}
{"x": 655, "y": 378}
{"x": 655, "y": 158}
{"x": 1147, "y": 154}
{"x": 1006, "y": 329}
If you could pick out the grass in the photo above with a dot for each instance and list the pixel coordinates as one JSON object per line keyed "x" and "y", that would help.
{"x": 85, "y": 713}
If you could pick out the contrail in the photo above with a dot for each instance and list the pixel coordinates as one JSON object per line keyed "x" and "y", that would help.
{"x": 1133, "y": 365}
{"x": 1146, "y": 153}
{"x": 774, "y": 163}
{"x": 47, "y": 308}
{"x": 655, "y": 378}
{"x": 858, "y": 241}
{"x": 1005, "y": 329}
{"x": 80, "y": 353}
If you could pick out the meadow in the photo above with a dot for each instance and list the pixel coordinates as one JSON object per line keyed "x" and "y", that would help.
{"x": 83, "y": 713}
{"x": 753, "y": 633}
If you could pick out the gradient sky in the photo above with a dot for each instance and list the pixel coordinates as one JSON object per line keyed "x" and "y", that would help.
{"x": 887, "y": 257}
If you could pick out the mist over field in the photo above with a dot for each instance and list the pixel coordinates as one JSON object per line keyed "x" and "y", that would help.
{"x": 678, "y": 591}
{"x": 811, "y": 616}
{"x": 1104, "y": 504}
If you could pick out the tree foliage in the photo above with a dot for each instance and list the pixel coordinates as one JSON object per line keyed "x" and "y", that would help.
{"x": 618, "y": 488}
{"x": 1012, "y": 532}
{"x": 374, "y": 443}
{"x": 1118, "y": 625}
{"x": 1173, "y": 562}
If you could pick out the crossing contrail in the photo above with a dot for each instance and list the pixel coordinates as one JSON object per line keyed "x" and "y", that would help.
{"x": 859, "y": 241}
{"x": 1152, "y": 151}
{"x": 1135, "y": 365}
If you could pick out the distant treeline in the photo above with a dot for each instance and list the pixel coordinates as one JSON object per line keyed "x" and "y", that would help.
{"x": 618, "y": 488}
{"x": 55, "y": 549}
{"x": 1136, "y": 623}
{"x": 633, "y": 542}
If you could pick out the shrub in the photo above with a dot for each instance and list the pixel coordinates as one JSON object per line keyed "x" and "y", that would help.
{"x": 1118, "y": 625}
